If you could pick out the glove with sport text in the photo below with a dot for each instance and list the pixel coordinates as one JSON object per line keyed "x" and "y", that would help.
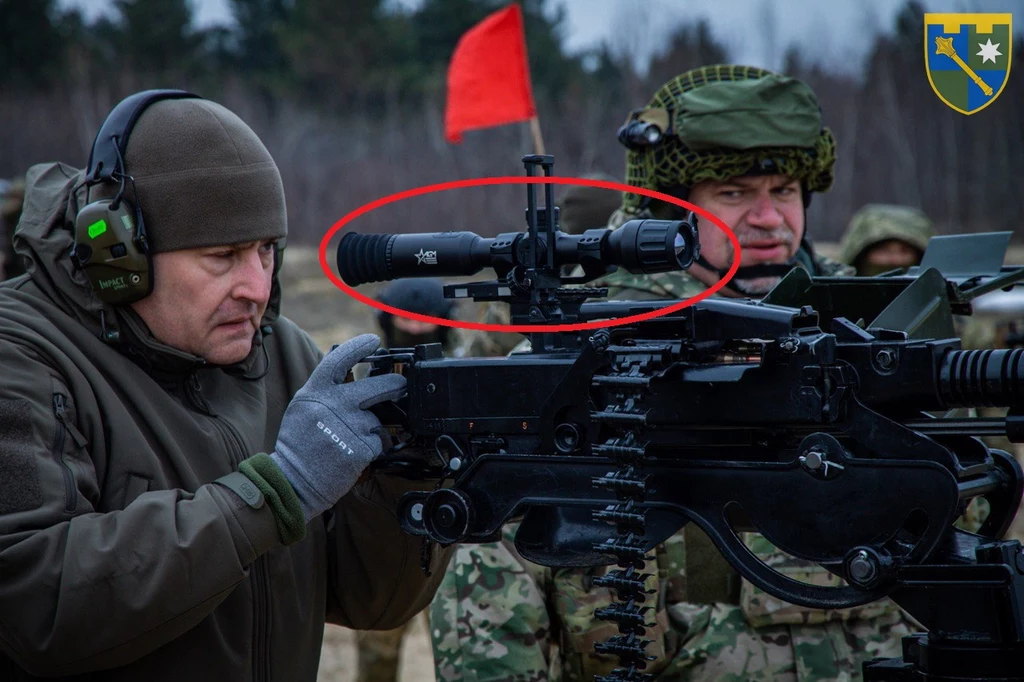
{"x": 328, "y": 435}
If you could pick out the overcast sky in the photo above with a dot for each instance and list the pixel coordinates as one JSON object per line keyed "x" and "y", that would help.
{"x": 837, "y": 33}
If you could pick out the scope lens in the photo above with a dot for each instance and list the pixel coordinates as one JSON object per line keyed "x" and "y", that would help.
{"x": 679, "y": 245}
{"x": 652, "y": 133}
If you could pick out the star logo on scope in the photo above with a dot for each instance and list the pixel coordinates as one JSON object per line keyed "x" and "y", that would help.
{"x": 426, "y": 257}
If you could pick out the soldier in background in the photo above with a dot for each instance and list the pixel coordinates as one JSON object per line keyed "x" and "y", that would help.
{"x": 585, "y": 208}
{"x": 883, "y": 237}
{"x": 424, "y": 296}
{"x": 12, "y": 196}
{"x": 379, "y": 651}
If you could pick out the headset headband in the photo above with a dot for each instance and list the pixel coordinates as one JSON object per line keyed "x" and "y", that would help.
{"x": 112, "y": 140}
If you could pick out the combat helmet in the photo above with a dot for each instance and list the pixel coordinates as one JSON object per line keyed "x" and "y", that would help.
{"x": 723, "y": 121}
{"x": 876, "y": 223}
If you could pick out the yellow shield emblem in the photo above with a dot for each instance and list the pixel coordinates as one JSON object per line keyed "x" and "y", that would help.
{"x": 967, "y": 57}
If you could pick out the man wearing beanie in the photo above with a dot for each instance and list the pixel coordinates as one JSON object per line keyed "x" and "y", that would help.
{"x": 750, "y": 147}
{"x": 182, "y": 486}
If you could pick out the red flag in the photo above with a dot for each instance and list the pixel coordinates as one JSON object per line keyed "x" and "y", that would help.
{"x": 489, "y": 76}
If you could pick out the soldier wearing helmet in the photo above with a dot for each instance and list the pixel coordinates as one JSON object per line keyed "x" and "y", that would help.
{"x": 749, "y": 146}
{"x": 746, "y": 144}
{"x": 883, "y": 237}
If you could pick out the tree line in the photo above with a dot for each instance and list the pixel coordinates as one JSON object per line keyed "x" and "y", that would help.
{"x": 349, "y": 98}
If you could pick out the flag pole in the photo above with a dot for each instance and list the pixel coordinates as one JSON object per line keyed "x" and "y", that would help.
{"x": 538, "y": 140}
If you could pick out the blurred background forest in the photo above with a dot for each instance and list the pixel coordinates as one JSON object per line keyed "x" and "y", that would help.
{"x": 349, "y": 98}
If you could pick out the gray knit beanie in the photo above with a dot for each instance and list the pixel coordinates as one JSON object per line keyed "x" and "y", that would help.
{"x": 202, "y": 177}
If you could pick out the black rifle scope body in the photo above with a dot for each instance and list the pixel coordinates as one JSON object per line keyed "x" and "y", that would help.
{"x": 639, "y": 246}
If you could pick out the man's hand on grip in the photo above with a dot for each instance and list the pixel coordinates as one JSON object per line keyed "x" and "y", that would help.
{"x": 328, "y": 435}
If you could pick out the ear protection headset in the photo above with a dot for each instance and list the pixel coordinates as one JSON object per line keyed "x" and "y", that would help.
{"x": 110, "y": 234}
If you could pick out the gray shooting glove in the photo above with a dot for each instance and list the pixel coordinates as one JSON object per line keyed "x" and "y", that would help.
{"x": 328, "y": 436}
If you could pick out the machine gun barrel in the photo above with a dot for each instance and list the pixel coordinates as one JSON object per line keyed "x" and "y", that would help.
{"x": 982, "y": 378}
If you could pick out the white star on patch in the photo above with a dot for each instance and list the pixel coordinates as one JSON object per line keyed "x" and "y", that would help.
{"x": 989, "y": 52}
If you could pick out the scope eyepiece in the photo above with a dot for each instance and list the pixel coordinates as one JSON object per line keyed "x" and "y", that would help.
{"x": 650, "y": 246}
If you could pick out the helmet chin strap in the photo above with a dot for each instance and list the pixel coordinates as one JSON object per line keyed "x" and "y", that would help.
{"x": 749, "y": 271}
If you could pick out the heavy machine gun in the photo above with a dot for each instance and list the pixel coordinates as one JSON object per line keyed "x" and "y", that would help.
{"x": 809, "y": 417}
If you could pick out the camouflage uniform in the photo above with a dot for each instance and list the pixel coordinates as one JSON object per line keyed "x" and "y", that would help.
{"x": 499, "y": 617}
{"x": 877, "y": 223}
{"x": 471, "y": 343}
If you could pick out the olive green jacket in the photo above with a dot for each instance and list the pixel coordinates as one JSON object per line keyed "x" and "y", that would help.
{"x": 118, "y": 554}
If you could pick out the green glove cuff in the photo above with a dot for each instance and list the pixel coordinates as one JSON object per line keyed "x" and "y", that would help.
{"x": 271, "y": 481}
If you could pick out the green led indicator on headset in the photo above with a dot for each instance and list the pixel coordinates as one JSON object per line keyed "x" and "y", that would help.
{"x": 97, "y": 228}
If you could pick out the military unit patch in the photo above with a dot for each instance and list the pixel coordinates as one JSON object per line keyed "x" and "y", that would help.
{"x": 967, "y": 58}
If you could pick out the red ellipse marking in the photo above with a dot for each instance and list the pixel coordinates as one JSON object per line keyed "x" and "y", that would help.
{"x": 524, "y": 180}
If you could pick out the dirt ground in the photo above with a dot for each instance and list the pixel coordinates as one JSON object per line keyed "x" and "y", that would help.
{"x": 338, "y": 658}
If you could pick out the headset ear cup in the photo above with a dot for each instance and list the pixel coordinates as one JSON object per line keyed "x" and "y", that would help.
{"x": 110, "y": 236}
{"x": 110, "y": 249}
